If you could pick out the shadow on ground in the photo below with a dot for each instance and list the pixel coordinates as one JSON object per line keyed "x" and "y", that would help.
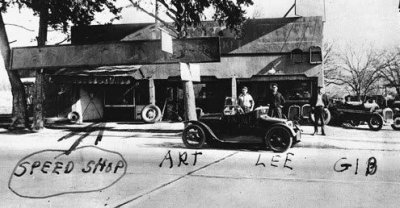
{"x": 363, "y": 128}
{"x": 112, "y": 129}
{"x": 84, "y": 131}
{"x": 17, "y": 132}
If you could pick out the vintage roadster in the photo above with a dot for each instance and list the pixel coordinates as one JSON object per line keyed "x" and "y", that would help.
{"x": 356, "y": 114}
{"x": 235, "y": 126}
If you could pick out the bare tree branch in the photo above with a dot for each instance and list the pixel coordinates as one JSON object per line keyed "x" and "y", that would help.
{"x": 136, "y": 5}
{"x": 357, "y": 69}
{"x": 65, "y": 39}
{"x": 390, "y": 70}
{"x": 167, "y": 7}
{"x": 20, "y": 26}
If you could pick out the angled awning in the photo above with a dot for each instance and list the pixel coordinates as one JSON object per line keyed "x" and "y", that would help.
{"x": 124, "y": 75}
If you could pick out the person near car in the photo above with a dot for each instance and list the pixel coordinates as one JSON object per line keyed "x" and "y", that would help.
{"x": 275, "y": 102}
{"x": 318, "y": 104}
{"x": 246, "y": 101}
{"x": 371, "y": 105}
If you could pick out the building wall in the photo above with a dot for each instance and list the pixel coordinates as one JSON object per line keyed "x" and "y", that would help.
{"x": 264, "y": 44}
{"x": 239, "y": 66}
{"x": 275, "y": 35}
{"x": 263, "y": 50}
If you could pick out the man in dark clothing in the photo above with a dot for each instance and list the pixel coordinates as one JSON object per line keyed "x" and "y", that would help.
{"x": 318, "y": 103}
{"x": 275, "y": 102}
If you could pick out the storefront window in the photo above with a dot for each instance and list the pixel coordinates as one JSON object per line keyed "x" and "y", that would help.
{"x": 136, "y": 94}
{"x": 118, "y": 95}
{"x": 315, "y": 55}
{"x": 297, "y": 56}
{"x": 296, "y": 90}
{"x": 210, "y": 96}
{"x": 291, "y": 90}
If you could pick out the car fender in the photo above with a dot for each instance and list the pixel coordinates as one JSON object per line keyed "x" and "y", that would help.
{"x": 376, "y": 113}
{"x": 380, "y": 116}
{"x": 205, "y": 127}
{"x": 291, "y": 130}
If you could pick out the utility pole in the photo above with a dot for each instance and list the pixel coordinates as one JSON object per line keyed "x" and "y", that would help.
{"x": 189, "y": 97}
{"x": 156, "y": 12}
{"x": 38, "y": 97}
{"x": 189, "y": 101}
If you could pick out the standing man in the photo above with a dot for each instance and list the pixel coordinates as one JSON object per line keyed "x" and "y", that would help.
{"x": 318, "y": 103}
{"x": 246, "y": 101}
{"x": 276, "y": 102}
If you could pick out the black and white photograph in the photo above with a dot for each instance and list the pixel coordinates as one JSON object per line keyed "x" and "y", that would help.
{"x": 199, "y": 103}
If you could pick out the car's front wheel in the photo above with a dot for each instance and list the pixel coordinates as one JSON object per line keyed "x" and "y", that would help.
{"x": 375, "y": 122}
{"x": 279, "y": 139}
{"x": 193, "y": 136}
{"x": 396, "y": 123}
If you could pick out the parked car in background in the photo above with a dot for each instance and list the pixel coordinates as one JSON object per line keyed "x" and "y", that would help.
{"x": 396, "y": 114}
{"x": 355, "y": 112}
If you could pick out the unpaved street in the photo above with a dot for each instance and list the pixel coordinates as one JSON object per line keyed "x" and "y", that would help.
{"x": 348, "y": 168}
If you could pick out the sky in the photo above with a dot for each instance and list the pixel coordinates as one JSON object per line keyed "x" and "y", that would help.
{"x": 352, "y": 21}
{"x": 374, "y": 22}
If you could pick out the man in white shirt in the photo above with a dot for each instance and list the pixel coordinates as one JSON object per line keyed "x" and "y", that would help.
{"x": 246, "y": 101}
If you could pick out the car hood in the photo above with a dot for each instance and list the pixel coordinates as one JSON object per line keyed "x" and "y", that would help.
{"x": 211, "y": 116}
{"x": 271, "y": 119}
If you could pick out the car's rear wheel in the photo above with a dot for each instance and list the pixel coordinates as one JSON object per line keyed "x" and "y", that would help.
{"x": 375, "y": 122}
{"x": 279, "y": 139}
{"x": 193, "y": 136}
{"x": 396, "y": 123}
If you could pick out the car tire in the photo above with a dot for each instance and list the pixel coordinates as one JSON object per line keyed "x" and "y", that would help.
{"x": 73, "y": 117}
{"x": 375, "y": 122}
{"x": 327, "y": 117}
{"x": 193, "y": 136}
{"x": 396, "y": 124}
{"x": 278, "y": 139}
{"x": 151, "y": 113}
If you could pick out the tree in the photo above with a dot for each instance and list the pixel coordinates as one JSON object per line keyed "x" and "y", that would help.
{"x": 257, "y": 13}
{"x": 391, "y": 71}
{"x": 187, "y": 14}
{"x": 61, "y": 14}
{"x": 58, "y": 15}
{"x": 17, "y": 89}
{"x": 328, "y": 62}
{"x": 329, "y": 53}
{"x": 356, "y": 69}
